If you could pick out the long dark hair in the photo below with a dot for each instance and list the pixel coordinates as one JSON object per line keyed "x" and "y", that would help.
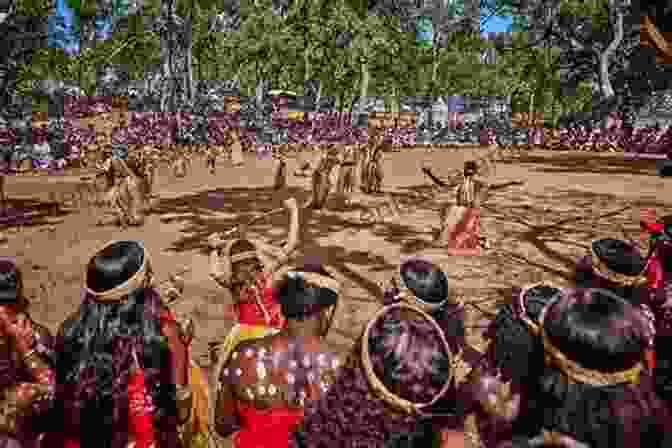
{"x": 599, "y": 331}
{"x": 351, "y": 414}
{"x": 94, "y": 358}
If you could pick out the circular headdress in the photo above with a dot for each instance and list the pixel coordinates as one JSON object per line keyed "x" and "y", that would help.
{"x": 618, "y": 262}
{"x": 140, "y": 278}
{"x": 571, "y": 368}
{"x": 377, "y": 385}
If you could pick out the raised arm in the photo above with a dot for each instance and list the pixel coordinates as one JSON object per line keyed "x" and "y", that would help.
{"x": 282, "y": 254}
{"x": 218, "y": 271}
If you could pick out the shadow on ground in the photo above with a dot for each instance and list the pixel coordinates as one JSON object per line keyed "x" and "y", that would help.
{"x": 30, "y": 213}
{"x": 587, "y": 163}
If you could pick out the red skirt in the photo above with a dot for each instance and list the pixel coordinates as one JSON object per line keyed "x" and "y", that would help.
{"x": 462, "y": 231}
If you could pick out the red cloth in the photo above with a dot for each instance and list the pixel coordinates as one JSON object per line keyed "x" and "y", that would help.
{"x": 140, "y": 425}
{"x": 268, "y": 428}
{"x": 250, "y": 313}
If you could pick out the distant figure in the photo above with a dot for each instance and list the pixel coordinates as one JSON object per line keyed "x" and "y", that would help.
{"x": 236, "y": 148}
{"x": 280, "y": 177}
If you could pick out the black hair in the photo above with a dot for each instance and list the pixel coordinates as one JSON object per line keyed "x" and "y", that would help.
{"x": 427, "y": 281}
{"x": 619, "y": 256}
{"x": 94, "y": 358}
{"x": 602, "y": 332}
{"x": 300, "y": 300}
{"x": 590, "y": 327}
{"x": 114, "y": 265}
{"x": 409, "y": 359}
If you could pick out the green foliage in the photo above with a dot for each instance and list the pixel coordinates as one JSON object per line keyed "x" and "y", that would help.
{"x": 34, "y": 8}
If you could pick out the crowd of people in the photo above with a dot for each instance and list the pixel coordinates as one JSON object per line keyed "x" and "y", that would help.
{"x": 582, "y": 367}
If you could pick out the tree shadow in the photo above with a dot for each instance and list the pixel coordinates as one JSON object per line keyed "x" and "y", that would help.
{"x": 587, "y": 163}
{"x": 30, "y": 213}
{"x": 530, "y": 223}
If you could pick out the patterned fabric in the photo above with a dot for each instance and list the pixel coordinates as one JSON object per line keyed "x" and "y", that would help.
{"x": 462, "y": 231}
{"x": 272, "y": 381}
{"x": 27, "y": 389}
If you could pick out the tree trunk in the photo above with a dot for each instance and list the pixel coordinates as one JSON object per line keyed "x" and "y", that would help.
{"x": 189, "y": 72}
{"x": 364, "y": 85}
{"x": 307, "y": 67}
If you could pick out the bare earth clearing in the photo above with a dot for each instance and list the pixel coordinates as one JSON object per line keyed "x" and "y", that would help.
{"x": 536, "y": 230}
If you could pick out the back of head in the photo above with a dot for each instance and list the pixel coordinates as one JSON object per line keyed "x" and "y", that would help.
{"x": 598, "y": 330}
{"x": 426, "y": 280}
{"x": 119, "y": 316}
{"x": 114, "y": 265}
{"x": 408, "y": 355}
{"x": 305, "y": 292}
{"x": 594, "y": 342}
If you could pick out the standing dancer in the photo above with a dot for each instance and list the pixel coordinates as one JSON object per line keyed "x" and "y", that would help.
{"x": 461, "y": 223}
{"x": 321, "y": 177}
{"x": 372, "y": 174}
{"x": 124, "y": 198}
{"x": 280, "y": 176}
{"x": 346, "y": 172}
{"x": 236, "y": 148}
{"x": 246, "y": 267}
{"x": 210, "y": 158}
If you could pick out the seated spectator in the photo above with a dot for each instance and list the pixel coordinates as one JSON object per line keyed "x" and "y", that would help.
{"x": 581, "y": 357}
{"x": 26, "y": 374}
{"x": 399, "y": 368}
{"x": 121, "y": 363}
{"x": 264, "y": 387}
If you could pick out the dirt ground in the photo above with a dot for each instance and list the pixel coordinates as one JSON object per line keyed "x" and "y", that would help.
{"x": 536, "y": 230}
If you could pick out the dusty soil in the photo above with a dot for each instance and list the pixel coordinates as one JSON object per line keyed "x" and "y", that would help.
{"x": 536, "y": 230}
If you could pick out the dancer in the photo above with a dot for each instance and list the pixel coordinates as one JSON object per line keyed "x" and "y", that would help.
{"x": 346, "y": 172}
{"x": 321, "y": 178}
{"x": 280, "y": 176}
{"x": 264, "y": 387}
{"x": 27, "y": 366}
{"x": 461, "y": 222}
{"x": 121, "y": 361}
{"x": 236, "y": 147}
{"x": 246, "y": 267}
{"x": 124, "y": 198}
{"x": 211, "y": 158}
{"x": 180, "y": 166}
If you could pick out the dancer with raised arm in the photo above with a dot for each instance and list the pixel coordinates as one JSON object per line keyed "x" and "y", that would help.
{"x": 246, "y": 267}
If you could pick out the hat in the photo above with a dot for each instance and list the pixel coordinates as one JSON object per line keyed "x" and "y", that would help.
{"x": 618, "y": 262}
{"x": 11, "y": 282}
{"x": 116, "y": 269}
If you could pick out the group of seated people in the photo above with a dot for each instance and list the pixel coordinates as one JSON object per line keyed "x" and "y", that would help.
{"x": 563, "y": 367}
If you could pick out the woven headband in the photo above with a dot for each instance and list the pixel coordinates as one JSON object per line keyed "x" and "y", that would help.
{"x": 576, "y": 373}
{"x": 119, "y": 293}
{"x": 601, "y": 268}
{"x": 378, "y": 387}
